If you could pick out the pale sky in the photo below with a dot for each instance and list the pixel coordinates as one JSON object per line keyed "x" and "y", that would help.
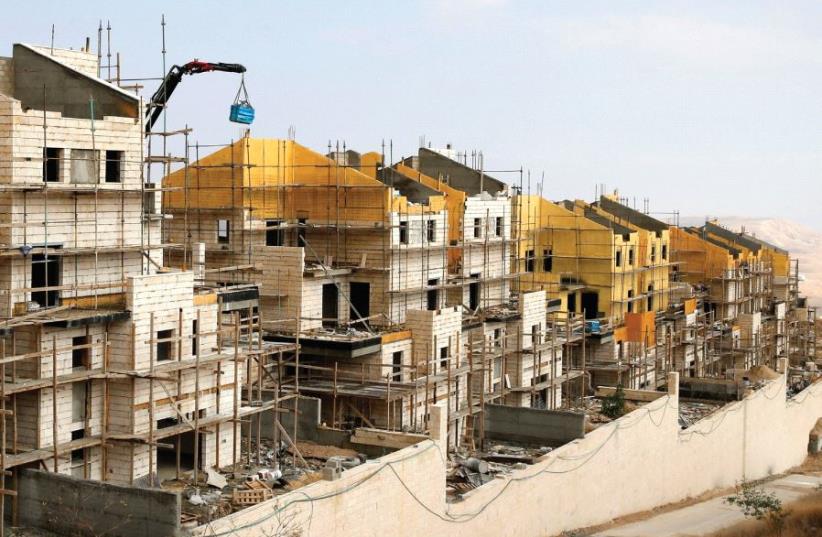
{"x": 706, "y": 107}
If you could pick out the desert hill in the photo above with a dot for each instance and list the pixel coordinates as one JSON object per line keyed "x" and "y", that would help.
{"x": 803, "y": 242}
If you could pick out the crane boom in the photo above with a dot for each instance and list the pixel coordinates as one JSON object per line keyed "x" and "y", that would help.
{"x": 173, "y": 78}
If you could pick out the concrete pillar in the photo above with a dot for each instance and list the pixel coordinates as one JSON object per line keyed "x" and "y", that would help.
{"x": 198, "y": 260}
{"x": 438, "y": 426}
{"x": 673, "y": 384}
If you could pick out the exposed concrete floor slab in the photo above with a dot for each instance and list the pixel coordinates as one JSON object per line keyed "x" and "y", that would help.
{"x": 707, "y": 517}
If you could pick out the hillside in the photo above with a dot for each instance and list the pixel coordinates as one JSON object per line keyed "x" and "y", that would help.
{"x": 804, "y": 243}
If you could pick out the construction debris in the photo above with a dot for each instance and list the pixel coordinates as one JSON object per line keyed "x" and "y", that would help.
{"x": 190, "y": 327}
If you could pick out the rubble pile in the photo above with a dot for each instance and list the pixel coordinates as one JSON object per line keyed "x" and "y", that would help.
{"x": 281, "y": 469}
{"x": 691, "y": 412}
{"x": 468, "y": 471}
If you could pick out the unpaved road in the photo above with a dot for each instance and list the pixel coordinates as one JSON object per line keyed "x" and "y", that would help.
{"x": 707, "y": 517}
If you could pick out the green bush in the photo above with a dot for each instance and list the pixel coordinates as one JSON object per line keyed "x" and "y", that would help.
{"x": 613, "y": 406}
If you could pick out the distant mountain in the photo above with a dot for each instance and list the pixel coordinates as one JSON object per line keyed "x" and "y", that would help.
{"x": 804, "y": 243}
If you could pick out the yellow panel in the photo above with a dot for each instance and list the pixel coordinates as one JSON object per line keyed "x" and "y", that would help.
{"x": 391, "y": 337}
{"x": 205, "y": 299}
{"x": 280, "y": 179}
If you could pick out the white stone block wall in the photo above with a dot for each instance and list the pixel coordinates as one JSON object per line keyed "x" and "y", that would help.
{"x": 81, "y": 60}
{"x": 6, "y": 76}
{"x": 434, "y": 330}
{"x": 747, "y": 440}
{"x": 67, "y": 133}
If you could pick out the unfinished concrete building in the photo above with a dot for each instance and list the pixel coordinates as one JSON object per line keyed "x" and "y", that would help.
{"x": 112, "y": 368}
{"x": 526, "y": 351}
{"x": 653, "y": 251}
{"x": 577, "y": 257}
{"x": 395, "y": 301}
{"x": 647, "y": 326}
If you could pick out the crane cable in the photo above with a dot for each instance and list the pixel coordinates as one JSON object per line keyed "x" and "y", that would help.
{"x": 242, "y": 93}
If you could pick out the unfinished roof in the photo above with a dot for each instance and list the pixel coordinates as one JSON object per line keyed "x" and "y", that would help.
{"x": 284, "y": 180}
{"x": 738, "y": 238}
{"x": 632, "y": 216}
{"x": 567, "y": 204}
{"x": 707, "y": 238}
{"x": 415, "y": 191}
{"x": 767, "y": 244}
{"x": 599, "y": 219}
{"x": 54, "y": 86}
{"x": 454, "y": 173}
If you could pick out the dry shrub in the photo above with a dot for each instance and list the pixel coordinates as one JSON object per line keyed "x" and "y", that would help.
{"x": 804, "y": 519}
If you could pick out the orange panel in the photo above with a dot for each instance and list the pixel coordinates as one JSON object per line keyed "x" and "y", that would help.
{"x": 641, "y": 327}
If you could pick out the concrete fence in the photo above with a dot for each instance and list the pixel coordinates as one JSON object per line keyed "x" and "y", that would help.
{"x": 533, "y": 426}
{"x": 638, "y": 462}
{"x": 69, "y": 506}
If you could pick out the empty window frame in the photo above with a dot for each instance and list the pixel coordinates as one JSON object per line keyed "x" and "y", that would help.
{"x": 396, "y": 366}
{"x": 79, "y": 357}
{"x": 653, "y": 253}
{"x": 547, "y": 260}
{"x": 477, "y": 228}
{"x": 630, "y": 256}
{"x": 83, "y": 166}
{"x": 274, "y": 235}
{"x": 444, "y": 358}
{"x": 529, "y": 261}
{"x": 223, "y": 231}
{"x": 79, "y": 400}
{"x": 45, "y": 276}
{"x": 630, "y": 301}
{"x": 52, "y": 163}
{"x": 664, "y": 252}
{"x": 431, "y": 231}
{"x": 498, "y": 226}
{"x": 498, "y": 337}
{"x": 195, "y": 342}
{"x": 619, "y": 258}
{"x": 164, "y": 346}
{"x": 474, "y": 293}
{"x": 114, "y": 166}
{"x": 433, "y": 295}
{"x": 403, "y": 232}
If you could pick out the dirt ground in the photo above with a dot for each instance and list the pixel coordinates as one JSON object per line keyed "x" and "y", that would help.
{"x": 811, "y": 466}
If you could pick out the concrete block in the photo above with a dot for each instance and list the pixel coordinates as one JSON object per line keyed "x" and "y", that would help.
{"x": 70, "y": 506}
{"x": 533, "y": 426}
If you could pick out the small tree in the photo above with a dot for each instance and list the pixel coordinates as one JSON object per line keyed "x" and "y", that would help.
{"x": 756, "y": 503}
{"x": 613, "y": 405}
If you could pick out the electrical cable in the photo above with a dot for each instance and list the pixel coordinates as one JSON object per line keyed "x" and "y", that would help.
{"x": 587, "y": 456}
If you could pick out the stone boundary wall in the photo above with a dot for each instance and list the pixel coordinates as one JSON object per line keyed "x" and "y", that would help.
{"x": 641, "y": 461}
{"x": 70, "y": 506}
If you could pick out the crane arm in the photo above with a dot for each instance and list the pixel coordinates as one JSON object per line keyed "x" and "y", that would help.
{"x": 173, "y": 78}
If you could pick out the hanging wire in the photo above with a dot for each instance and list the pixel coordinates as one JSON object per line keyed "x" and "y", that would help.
{"x": 242, "y": 93}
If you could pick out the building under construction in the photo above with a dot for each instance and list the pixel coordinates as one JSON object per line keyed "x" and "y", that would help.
{"x": 197, "y": 318}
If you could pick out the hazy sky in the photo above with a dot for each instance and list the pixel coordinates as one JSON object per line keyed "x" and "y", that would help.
{"x": 706, "y": 107}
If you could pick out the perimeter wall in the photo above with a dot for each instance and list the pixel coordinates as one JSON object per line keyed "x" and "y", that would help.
{"x": 638, "y": 462}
